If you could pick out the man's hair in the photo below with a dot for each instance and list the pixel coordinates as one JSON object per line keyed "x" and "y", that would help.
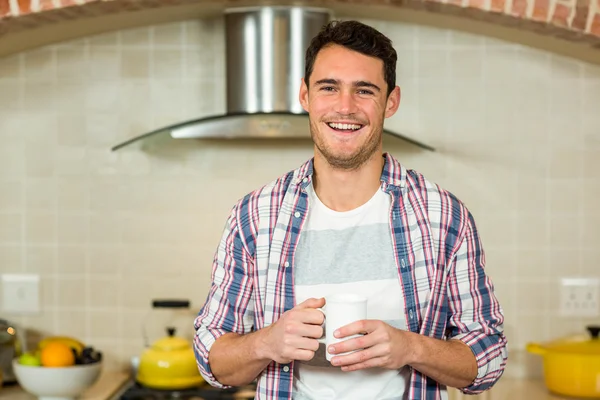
{"x": 355, "y": 36}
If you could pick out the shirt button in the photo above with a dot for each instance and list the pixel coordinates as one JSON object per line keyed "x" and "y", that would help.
{"x": 305, "y": 180}
{"x": 286, "y": 369}
{"x": 410, "y": 314}
{"x": 297, "y": 214}
{"x": 286, "y": 264}
{"x": 402, "y": 263}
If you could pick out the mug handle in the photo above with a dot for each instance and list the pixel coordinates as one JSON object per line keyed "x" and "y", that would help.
{"x": 323, "y": 338}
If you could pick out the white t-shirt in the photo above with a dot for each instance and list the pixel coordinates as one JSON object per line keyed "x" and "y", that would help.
{"x": 349, "y": 252}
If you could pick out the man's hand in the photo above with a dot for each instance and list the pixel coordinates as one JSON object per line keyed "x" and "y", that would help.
{"x": 294, "y": 336}
{"x": 381, "y": 346}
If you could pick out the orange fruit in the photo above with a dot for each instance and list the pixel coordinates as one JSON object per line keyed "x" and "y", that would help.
{"x": 57, "y": 354}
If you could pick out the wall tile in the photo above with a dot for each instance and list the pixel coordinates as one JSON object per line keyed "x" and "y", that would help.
{"x": 105, "y": 228}
{"x": 41, "y": 259}
{"x": 12, "y": 195}
{"x": 138, "y": 37}
{"x": 104, "y": 63}
{"x": 433, "y": 63}
{"x": 564, "y": 262}
{"x": 10, "y": 67}
{"x": 39, "y": 161}
{"x": 102, "y": 293}
{"x": 71, "y": 64}
{"x": 104, "y": 259}
{"x": 41, "y": 194}
{"x": 72, "y": 294}
{"x": 104, "y": 325}
{"x": 566, "y": 197}
{"x": 109, "y": 39}
{"x": 73, "y": 228}
{"x": 168, "y": 35}
{"x": 135, "y": 64}
{"x": 12, "y": 95}
{"x": 11, "y": 253}
{"x": 49, "y": 295}
{"x": 72, "y": 323}
{"x": 40, "y": 65}
{"x": 73, "y": 194}
{"x": 39, "y": 96}
{"x": 40, "y": 227}
{"x": 72, "y": 259}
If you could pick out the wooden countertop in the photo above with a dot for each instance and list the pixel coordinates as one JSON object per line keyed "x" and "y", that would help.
{"x": 111, "y": 382}
{"x": 108, "y": 384}
{"x": 512, "y": 389}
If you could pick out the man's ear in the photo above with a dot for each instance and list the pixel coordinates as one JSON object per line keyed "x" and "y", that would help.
{"x": 303, "y": 96}
{"x": 393, "y": 102}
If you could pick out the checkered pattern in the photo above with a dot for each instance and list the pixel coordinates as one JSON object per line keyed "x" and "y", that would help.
{"x": 440, "y": 263}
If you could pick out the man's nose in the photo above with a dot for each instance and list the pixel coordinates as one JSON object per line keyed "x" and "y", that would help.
{"x": 346, "y": 103}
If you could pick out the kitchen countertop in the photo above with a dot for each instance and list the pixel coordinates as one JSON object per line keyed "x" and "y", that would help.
{"x": 108, "y": 384}
{"x": 111, "y": 382}
{"x": 513, "y": 389}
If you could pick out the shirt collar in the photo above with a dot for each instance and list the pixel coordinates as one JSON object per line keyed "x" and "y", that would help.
{"x": 393, "y": 174}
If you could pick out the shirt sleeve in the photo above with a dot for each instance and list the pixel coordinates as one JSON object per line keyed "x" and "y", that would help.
{"x": 228, "y": 307}
{"x": 476, "y": 317}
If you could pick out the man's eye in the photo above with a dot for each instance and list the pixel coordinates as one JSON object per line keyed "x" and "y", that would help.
{"x": 365, "y": 91}
{"x": 328, "y": 88}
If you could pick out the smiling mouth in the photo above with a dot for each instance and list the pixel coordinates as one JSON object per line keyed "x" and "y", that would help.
{"x": 344, "y": 128}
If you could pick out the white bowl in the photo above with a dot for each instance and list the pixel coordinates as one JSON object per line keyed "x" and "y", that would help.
{"x": 57, "y": 383}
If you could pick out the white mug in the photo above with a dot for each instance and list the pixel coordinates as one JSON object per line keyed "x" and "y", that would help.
{"x": 340, "y": 310}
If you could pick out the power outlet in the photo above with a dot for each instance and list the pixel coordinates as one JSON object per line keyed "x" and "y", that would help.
{"x": 579, "y": 297}
{"x": 21, "y": 293}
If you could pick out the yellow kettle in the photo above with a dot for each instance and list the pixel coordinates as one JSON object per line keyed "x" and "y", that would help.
{"x": 169, "y": 363}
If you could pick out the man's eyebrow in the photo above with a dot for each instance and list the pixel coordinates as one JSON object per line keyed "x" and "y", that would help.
{"x": 327, "y": 81}
{"x": 367, "y": 84}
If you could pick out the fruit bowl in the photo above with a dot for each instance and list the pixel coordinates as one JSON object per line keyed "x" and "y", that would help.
{"x": 56, "y": 383}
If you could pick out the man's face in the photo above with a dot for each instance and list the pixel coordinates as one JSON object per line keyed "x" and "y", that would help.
{"x": 347, "y": 104}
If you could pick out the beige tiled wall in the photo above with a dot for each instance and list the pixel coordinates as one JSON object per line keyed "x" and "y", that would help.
{"x": 517, "y": 133}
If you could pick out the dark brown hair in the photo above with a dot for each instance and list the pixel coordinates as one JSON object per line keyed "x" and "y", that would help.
{"x": 355, "y": 36}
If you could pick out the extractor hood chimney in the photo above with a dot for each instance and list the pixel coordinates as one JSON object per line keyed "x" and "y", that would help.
{"x": 265, "y": 51}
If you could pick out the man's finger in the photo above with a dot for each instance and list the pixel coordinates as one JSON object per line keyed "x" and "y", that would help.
{"x": 348, "y": 345}
{"x": 311, "y": 303}
{"x": 361, "y": 327}
{"x": 311, "y": 316}
{"x": 373, "y": 362}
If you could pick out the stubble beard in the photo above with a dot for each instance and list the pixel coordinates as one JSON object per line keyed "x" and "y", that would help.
{"x": 350, "y": 161}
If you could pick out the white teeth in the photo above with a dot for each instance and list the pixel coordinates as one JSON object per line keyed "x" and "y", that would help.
{"x": 336, "y": 125}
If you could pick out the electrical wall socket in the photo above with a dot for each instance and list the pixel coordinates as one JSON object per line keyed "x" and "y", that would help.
{"x": 20, "y": 293}
{"x": 579, "y": 297}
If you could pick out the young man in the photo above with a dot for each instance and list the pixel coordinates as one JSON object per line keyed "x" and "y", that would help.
{"x": 351, "y": 220}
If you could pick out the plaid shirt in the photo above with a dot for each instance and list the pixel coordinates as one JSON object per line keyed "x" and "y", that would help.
{"x": 440, "y": 263}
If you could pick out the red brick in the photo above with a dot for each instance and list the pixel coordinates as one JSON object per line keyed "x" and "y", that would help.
{"x": 561, "y": 15}
{"x": 67, "y": 3}
{"x": 519, "y": 8}
{"x": 4, "y": 8}
{"x": 46, "y": 5}
{"x": 540, "y": 10}
{"x": 478, "y": 4}
{"x": 24, "y": 7}
{"x": 581, "y": 15}
{"x": 595, "y": 28}
{"x": 497, "y": 5}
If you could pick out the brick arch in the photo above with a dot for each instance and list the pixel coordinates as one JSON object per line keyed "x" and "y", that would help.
{"x": 573, "y": 22}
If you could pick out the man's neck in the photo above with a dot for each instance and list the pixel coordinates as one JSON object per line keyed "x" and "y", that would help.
{"x": 343, "y": 190}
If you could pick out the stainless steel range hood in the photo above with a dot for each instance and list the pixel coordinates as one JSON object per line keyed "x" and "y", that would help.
{"x": 265, "y": 50}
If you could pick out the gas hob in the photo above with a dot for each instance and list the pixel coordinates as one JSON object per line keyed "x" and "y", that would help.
{"x": 135, "y": 391}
